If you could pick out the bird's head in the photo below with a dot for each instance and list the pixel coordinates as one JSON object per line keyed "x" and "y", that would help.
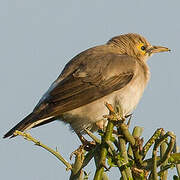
{"x": 136, "y": 45}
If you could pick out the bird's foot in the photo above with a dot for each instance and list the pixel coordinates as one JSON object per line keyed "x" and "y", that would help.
{"x": 87, "y": 145}
{"x": 129, "y": 116}
{"x": 129, "y": 120}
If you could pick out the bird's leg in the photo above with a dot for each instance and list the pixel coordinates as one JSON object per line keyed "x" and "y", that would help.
{"x": 82, "y": 139}
{"x": 129, "y": 116}
{"x": 88, "y": 145}
{"x": 129, "y": 120}
{"x": 101, "y": 124}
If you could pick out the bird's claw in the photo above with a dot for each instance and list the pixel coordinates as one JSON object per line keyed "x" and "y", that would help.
{"x": 89, "y": 145}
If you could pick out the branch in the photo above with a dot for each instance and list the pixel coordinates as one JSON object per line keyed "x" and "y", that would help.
{"x": 104, "y": 146}
{"x": 77, "y": 172}
{"x": 163, "y": 148}
{"x": 126, "y": 172}
{"x": 38, "y": 143}
{"x": 151, "y": 141}
{"x": 169, "y": 148}
{"x": 137, "y": 132}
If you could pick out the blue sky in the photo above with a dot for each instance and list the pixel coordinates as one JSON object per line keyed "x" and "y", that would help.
{"x": 37, "y": 38}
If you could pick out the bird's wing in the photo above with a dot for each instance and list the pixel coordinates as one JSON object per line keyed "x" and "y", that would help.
{"x": 92, "y": 79}
{"x": 86, "y": 78}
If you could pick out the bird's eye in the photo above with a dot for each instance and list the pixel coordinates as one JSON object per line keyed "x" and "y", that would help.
{"x": 143, "y": 48}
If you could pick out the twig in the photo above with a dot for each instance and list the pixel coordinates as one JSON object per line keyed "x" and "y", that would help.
{"x": 173, "y": 159}
{"x": 77, "y": 172}
{"x": 154, "y": 157}
{"x": 151, "y": 141}
{"x": 103, "y": 153}
{"x": 137, "y": 132}
{"x": 97, "y": 140}
{"x": 88, "y": 157}
{"x": 177, "y": 156}
{"x": 163, "y": 148}
{"x": 164, "y": 169}
{"x": 104, "y": 146}
{"x": 123, "y": 129}
{"x": 126, "y": 172}
{"x": 38, "y": 143}
{"x": 169, "y": 148}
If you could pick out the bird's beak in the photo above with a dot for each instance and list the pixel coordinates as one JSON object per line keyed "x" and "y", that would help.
{"x": 157, "y": 49}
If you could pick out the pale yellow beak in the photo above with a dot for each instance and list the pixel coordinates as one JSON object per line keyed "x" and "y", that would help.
{"x": 157, "y": 49}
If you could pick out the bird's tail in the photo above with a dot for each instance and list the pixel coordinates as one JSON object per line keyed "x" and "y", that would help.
{"x": 23, "y": 125}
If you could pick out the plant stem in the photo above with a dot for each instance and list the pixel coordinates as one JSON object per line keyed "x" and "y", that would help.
{"x": 123, "y": 129}
{"x": 103, "y": 153}
{"x": 151, "y": 141}
{"x": 163, "y": 148}
{"x": 137, "y": 132}
{"x": 126, "y": 173}
{"x": 38, "y": 143}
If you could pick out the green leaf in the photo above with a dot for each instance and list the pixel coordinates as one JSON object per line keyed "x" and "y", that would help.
{"x": 113, "y": 139}
{"x": 174, "y": 158}
{"x": 175, "y": 177}
{"x": 111, "y": 162}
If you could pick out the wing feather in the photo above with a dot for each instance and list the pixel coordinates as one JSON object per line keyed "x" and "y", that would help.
{"x": 110, "y": 73}
{"x": 89, "y": 76}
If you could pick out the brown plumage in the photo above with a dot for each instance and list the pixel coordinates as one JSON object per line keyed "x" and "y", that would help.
{"x": 115, "y": 72}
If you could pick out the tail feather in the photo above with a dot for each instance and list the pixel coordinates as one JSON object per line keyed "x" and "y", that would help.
{"x": 23, "y": 125}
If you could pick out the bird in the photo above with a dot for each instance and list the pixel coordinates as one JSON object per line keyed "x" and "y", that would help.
{"x": 116, "y": 72}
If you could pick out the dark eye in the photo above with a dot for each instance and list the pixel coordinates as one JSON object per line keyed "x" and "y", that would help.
{"x": 143, "y": 48}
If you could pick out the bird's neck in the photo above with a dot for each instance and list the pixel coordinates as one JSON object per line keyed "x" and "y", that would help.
{"x": 145, "y": 68}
